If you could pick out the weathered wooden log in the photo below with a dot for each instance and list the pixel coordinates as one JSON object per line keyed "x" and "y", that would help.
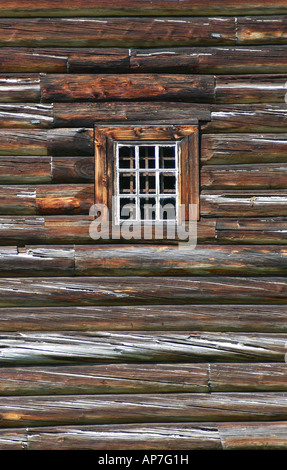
{"x": 110, "y": 87}
{"x": 179, "y": 436}
{"x": 267, "y": 176}
{"x": 256, "y": 318}
{"x": 49, "y": 142}
{"x": 219, "y": 60}
{"x": 214, "y": 203}
{"x": 14, "y": 87}
{"x": 243, "y": 148}
{"x": 250, "y": 89}
{"x": 240, "y": 377}
{"x": 121, "y": 260}
{"x": 139, "y": 408}
{"x": 46, "y": 199}
{"x": 26, "y": 116}
{"x": 87, "y": 114}
{"x": 14, "y": 8}
{"x": 251, "y": 230}
{"x": 27, "y": 292}
{"x": 247, "y": 118}
{"x": 100, "y": 378}
{"x": 116, "y": 32}
{"x": 253, "y": 436}
{"x": 261, "y": 30}
{"x": 76, "y": 229}
{"x": 117, "y": 347}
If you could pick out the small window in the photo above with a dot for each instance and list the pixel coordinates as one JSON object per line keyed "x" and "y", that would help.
{"x": 147, "y": 173}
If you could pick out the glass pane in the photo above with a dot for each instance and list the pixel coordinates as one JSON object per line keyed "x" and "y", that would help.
{"x": 167, "y": 183}
{"x": 147, "y": 183}
{"x": 126, "y": 157}
{"x": 167, "y": 157}
{"x": 147, "y": 157}
{"x": 168, "y": 208}
{"x": 127, "y": 208}
{"x": 147, "y": 208}
{"x": 127, "y": 183}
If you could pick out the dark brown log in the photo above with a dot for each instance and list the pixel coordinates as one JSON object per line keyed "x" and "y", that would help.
{"x": 25, "y": 170}
{"x": 219, "y": 60}
{"x": 117, "y": 347}
{"x": 26, "y": 116}
{"x": 267, "y": 176}
{"x": 253, "y": 436}
{"x": 100, "y": 378}
{"x": 251, "y": 230}
{"x": 256, "y": 318}
{"x": 262, "y": 30}
{"x": 14, "y": 87}
{"x": 50, "y": 142}
{"x": 27, "y": 292}
{"x": 243, "y": 203}
{"x": 133, "y": 408}
{"x": 243, "y": 148}
{"x": 118, "y": 32}
{"x": 251, "y": 377}
{"x": 251, "y": 89}
{"x": 76, "y": 88}
{"x": 46, "y": 199}
{"x": 247, "y": 118}
{"x": 89, "y": 114}
{"x": 76, "y": 229}
{"x": 140, "y": 8}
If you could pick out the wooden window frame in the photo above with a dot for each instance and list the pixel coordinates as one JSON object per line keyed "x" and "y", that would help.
{"x": 105, "y": 137}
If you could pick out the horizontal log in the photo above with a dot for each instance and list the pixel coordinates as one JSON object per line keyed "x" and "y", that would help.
{"x": 262, "y": 30}
{"x": 246, "y": 203}
{"x": 231, "y": 149}
{"x": 46, "y": 199}
{"x": 15, "y": 8}
{"x": 101, "y": 378}
{"x": 56, "y": 142}
{"x": 267, "y": 176}
{"x": 253, "y": 436}
{"x": 63, "y": 60}
{"x": 87, "y": 114}
{"x": 65, "y": 291}
{"x": 251, "y": 230}
{"x": 247, "y": 118}
{"x": 256, "y": 318}
{"x": 218, "y": 60}
{"x": 240, "y": 377}
{"x": 118, "y": 32}
{"x": 75, "y": 229}
{"x": 13, "y": 88}
{"x": 120, "y": 260}
{"x": 110, "y": 87}
{"x": 250, "y": 89}
{"x": 131, "y": 408}
{"x": 26, "y": 116}
{"x": 53, "y": 348}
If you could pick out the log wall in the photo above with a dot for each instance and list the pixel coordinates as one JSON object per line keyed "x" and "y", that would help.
{"x": 132, "y": 345}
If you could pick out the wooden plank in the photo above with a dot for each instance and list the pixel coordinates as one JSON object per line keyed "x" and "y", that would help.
{"x": 250, "y": 89}
{"x": 46, "y": 199}
{"x": 26, "y": 292}
{"x": 88, "y": 114}
{"x": 267, "y": 230}
{"x": 267, "y": 176}
{"x": 133, "y": 408}
{"x": 253, "y": 436}
{"x": 116, "y": 32}
{"x": 15, "y": 8}
{"x": 262, "y": 30}
{"x": 231, "y": 149}
{"x": 53, "y": 348}
{"x": 246, "y": 203}
{"x": 26, "y": 116}
{"x": 14, "y": 87}
{"x": 56, "y": 142}
{"x": 252, "y": 318}
{"x": 25, "y": 170}
{"x": 110, "y": 87}
{"x": 101, "y": 378}
{"x": 252, "y": 377}
{"x": 218, "y": 60}
{"x": 248, "y": 118}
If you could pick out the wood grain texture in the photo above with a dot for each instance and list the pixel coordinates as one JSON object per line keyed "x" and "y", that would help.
{"x": 243, "y": 148}
{"x": 27, "y": 292}
{"x": 111, "y": 87}
{"x": 248, "y": 203}
{"x": 116, "y": 32}
{"x": 250, "y": 230}
{"x": 131, "y": 408}
{"x": 255, "y": 436}
{"x": 228, "y": 318}
{"x": 262, "y": 30}
{"x": 14, "y": 87}
{"x": 26, "y": 116}
{"x": 251, "y": 89}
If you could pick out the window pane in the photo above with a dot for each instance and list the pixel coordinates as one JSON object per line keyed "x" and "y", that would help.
{"x": 168, "y": 208}
{"x": 127, "y": 183}
{"x": 167, "y": 157}
{"x": 167, "y": 183}
{"x": 147, "y": 157}
{"x": 127, "y": 157}
{"x": 127, "y": 208}
{"x": 147, "y": 208}
{"x": 147, "y": 183}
